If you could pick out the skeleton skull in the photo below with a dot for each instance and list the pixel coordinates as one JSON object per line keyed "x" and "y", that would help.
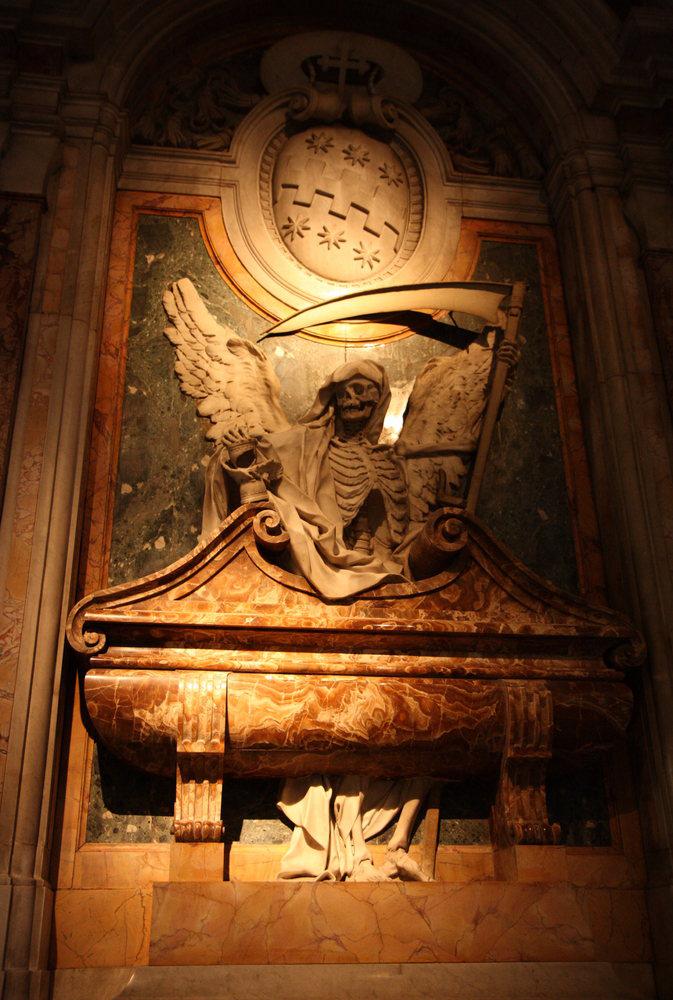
{"x": 356, "y": 399}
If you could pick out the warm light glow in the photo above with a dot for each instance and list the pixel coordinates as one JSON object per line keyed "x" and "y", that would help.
{"x": 392, "y": 425}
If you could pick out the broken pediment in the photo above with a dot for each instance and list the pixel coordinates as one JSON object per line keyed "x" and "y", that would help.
{"x": 482, "y": 609}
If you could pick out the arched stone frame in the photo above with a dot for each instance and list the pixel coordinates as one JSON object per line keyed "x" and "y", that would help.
{"x": 627, "y": 419}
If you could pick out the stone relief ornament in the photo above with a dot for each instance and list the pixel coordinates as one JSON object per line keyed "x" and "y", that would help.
{"x": 196, "y": 107}
{"x": 351, "y": 504}
{"x": 336, "y": 181}
{"x": 478, "y": 142}
{"x": 342, "y": 202}
{"x": 337, "y": 168}
{"x": 349, "y": 508}
{"x": 199, "y": 104}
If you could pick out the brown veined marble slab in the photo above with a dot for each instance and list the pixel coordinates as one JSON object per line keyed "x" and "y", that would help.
{"x": 327, "y": 662}
{"x": 226, "y": 592}
{"x": 326, "y": 714}
{"x": 297, "y": 724}
{"x": 136, "y": 714}
{"x": 265, "y": 923}
{"x": 226, "y": 597}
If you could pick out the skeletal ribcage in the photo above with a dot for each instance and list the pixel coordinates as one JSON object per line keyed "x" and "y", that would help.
{"x": 358, "y": 468}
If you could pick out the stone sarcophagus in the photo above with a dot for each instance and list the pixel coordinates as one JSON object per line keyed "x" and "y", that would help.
{"x": 229, "y": 663}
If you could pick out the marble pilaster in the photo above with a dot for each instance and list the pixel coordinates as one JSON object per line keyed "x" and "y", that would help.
{"x": 622, "y": 382}
{"x": 39, "y": 531}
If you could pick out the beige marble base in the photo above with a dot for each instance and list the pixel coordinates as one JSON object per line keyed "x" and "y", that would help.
{"x": 197, "y": 923}
{"x": 483, "y": 981}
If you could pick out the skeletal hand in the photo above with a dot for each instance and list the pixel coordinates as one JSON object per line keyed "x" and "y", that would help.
{"x": 510, "y": 353}
{"x": 237, "y": 436}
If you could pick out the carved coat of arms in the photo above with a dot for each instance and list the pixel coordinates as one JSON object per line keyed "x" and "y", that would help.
{"x": 342, "y": 201}
{"x": 338, "y": 182}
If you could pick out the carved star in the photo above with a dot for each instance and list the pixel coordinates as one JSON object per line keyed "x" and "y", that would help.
{"x": 356, "y": 155}
{"x": 295, "y": 227}
{"x": 319, "y": 142}
{"x": 331, "y": 239}
{"x": 390, "y": 175}
{"x": 366, "y": 256}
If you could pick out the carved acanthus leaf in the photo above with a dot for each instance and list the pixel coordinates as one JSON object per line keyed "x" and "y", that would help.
{"x": 480, "y": 139}
{"x": 194, "y": 107}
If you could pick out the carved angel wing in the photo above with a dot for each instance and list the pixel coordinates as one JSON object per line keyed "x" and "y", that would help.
{"x": 232, "y": 378}
{"x": 442, "y": 424}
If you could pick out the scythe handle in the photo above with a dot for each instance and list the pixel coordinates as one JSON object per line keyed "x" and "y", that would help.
{"x": 495, "y": 398}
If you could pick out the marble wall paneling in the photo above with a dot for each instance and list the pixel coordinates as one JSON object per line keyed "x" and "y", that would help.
{"x": 148, "y": 478}
{"x": 101, "y": 927}
{"x": 439, "y": 981}
{"x": 159, "y": 468}
{"x": 474, "y": 233}
{"x": 106, "y": 424}
{"x": 206, "y": 924}
{"x": 127, "y": 805}
{"x": 260, "y": 861}
{"x": 130, "y": 867}
{"x": 523, "y": 496}
{"x": 159, "y": 479}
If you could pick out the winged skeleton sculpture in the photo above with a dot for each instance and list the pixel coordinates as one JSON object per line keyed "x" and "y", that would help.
{"x": 352, "y": 505}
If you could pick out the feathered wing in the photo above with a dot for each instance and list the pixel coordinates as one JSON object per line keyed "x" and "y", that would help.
{"x": 444, "y": 412}
{"x": 232, "y": 379}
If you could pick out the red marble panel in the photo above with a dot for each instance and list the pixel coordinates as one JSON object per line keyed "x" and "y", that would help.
{"x": 256, "y": 923}
{"x": 324, "y": 714}
{"x": 299, "y": 724}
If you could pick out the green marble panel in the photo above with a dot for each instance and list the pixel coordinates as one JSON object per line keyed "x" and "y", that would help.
{"x": 163, "y": 449}
{"x": 523, "y": 497}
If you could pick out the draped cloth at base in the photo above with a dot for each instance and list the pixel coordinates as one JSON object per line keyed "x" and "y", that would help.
{"x": 326, "y": 843}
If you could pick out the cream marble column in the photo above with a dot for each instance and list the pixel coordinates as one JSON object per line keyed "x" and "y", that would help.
{"x": 40, "y": 522}
{"x": 627, "y": 422}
